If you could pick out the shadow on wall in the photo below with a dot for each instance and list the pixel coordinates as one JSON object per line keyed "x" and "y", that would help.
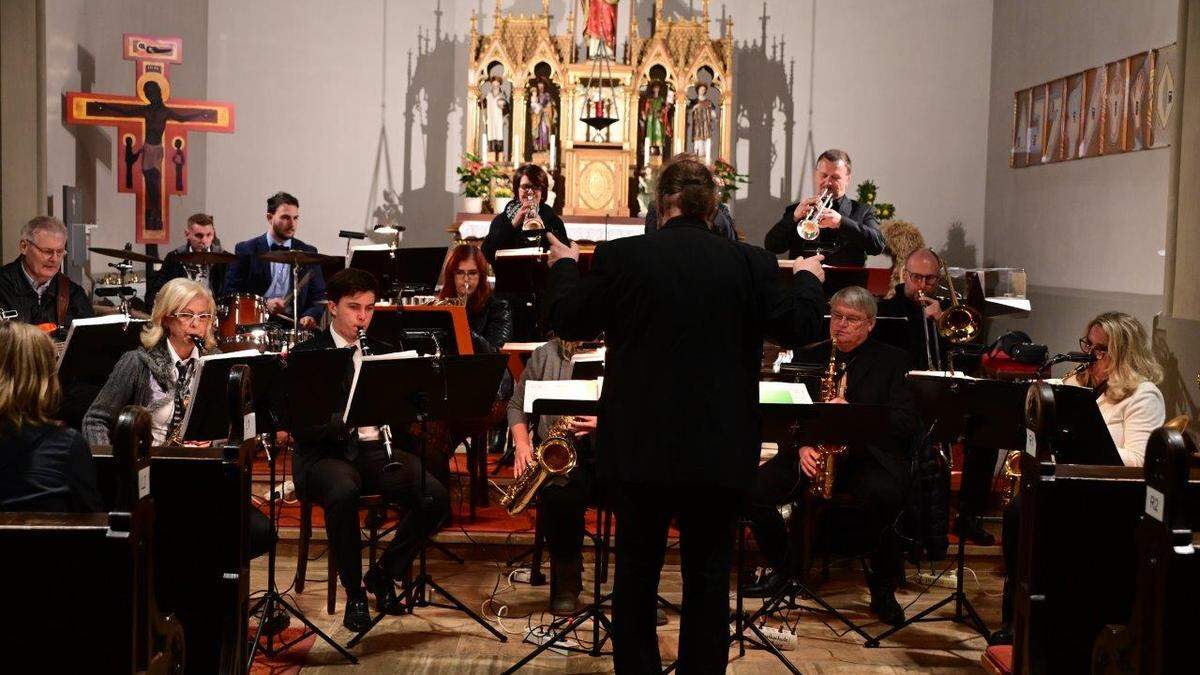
{"x": 763, "y": 93}
{"x": 1175, "y": 344}
{"x": 91, "y": 143}
{"x": 957, "y": 252}
{"x": 434, "y": 94}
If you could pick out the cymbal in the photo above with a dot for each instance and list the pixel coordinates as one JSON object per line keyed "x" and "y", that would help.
{"x": 294, "y": 257}
{"x": 123, "y": 254}
{"x": 207, "y": 258}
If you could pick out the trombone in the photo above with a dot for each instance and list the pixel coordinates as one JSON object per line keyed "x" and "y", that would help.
{"x": 807, "y": 228}
{"x": 958, "y": 324}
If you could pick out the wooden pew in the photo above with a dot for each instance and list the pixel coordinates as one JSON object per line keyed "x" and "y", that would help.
{"x": 202, "y": 500}
{"x": 1077, "y": 569}
{"x": 80, "y": 588}
{"x": 1165, "y": 619}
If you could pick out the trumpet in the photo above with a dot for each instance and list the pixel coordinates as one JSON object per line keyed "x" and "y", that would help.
{"x": 807, "y": 228}
{"x": 532, "y": 220}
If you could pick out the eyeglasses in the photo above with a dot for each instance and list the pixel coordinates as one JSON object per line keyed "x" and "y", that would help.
{"x": 191, "y": 318}
{"x": 48, "y": 252}
{"x": 1086, "y": 346}
{"x": 852, "y": 321}
{"x": 924, "y": 278}
{"x": 470, "y": 274}
{"x": 528, "y": 188}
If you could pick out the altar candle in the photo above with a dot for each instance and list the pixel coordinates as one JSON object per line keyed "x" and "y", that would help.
{"x": 553, "y": 151}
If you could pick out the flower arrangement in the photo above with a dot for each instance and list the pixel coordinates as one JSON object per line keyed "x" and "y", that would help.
{"x": 475, "y": 175}
{"x": 729, "y": 178}
{"x": 866, "y": 194}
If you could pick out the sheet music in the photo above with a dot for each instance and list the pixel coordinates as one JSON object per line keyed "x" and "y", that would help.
{"x": 96, "y": 321}
{"x": 954, "y": 375}
{"x": 358, "y": 364}
{"x": 534, "y": 251}
{"x": 596, "y": 356}
{"x": 571, "y": 390}
{"x": 1022, "y": 304}
{"x": 783, "y": 392}
{"x": 520, "y": 346}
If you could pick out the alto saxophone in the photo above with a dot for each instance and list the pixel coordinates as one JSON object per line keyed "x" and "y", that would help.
{"x": 821, "y": 484}
{"x": 175, "y": 433}
{"x": 554, "y": 456}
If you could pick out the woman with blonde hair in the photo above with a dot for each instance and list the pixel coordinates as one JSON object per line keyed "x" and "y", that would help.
{"x": 44, "y": 466}
{"x": 1124, "y": 377}
{"x": 157, "y": 374}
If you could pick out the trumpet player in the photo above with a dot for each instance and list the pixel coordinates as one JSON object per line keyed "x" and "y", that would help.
{"x": 876, "y": 475}
{"x": 562, "y": 500}
{"x": 847, "y": 228}
{"x": 517, "y": 223}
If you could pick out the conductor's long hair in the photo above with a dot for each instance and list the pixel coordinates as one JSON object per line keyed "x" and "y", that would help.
{"x": 482, "y": 291}
{"x": 174, "y": 297}
{"x": 29, "y": 389}
{"x": 688, "y": 184}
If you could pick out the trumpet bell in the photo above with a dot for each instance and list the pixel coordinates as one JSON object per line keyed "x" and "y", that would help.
{"x": 533, "y": 223}
{"x": 808, "y": 229}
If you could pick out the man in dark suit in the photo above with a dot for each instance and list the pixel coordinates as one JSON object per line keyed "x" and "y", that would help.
{"x": 273, "y": 281}
{"x": 201, "y": 236}
{"x": 684, "y": 312}
{"x": 847, "y": 225}
{"x": 333, "y": 465}
{"x": 875, "y": 475}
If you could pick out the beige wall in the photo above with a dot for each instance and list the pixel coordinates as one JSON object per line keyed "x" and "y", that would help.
{"x": 21, "y": 151}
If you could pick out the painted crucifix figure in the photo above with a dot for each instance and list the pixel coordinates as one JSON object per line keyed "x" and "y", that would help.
{"x": 155, "y": 122}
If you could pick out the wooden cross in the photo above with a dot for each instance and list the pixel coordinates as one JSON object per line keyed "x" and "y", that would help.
{"x": 153, "y": 130}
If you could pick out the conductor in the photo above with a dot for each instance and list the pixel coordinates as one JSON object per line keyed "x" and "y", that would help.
{"x": 684, "y": 311}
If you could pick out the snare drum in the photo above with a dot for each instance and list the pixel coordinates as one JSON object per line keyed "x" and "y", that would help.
{"x": 258, "y": 338}
{"x": 240, "y": 309}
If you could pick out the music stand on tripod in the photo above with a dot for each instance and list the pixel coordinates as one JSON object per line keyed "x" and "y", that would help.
{"x": 990, "y": 413}
{"x": 298, "y": 372}
{"x": 401, "y": 391}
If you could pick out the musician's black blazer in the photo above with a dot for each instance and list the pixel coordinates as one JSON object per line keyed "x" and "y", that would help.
{"x": 252, "y": 275}
{"x": 857, "y": 237}
{"x": 684, "y": 312}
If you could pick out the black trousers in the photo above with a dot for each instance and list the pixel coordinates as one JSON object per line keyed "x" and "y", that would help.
{"x": 705, "y": 517}
{"x": 979, "y": 465}
{"x": 261, "y": 537}
{"x": 336, "y": 485}
{"x": 1010, "y": 538}
{"x": 561, "y": 510}
{"x": 780, "y": 480}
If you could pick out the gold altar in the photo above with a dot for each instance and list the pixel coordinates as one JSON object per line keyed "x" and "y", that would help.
{"x": 527, "y": 90}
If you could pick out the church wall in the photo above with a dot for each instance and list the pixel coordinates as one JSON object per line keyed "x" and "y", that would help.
{"x": 1091, "y": 232}
{"x": 83, "y": 53}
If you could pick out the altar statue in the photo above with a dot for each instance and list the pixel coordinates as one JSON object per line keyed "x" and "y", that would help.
{"x": 496, "y": 109}
{"x": 701, "y": 115}
{"x": 542, "y": 113}
{"x": 600, "y": 27}
{"x": 655, "y": 119}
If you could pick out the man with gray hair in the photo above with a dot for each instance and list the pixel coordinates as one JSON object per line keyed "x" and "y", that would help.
{"x": 34, "y": 286}
{"x": 875, "y": 475}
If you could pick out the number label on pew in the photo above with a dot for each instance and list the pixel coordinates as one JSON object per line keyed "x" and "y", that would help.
{"x": 249, "y": 429}
{"x": 143, "y": 482}
{"x": 1154, "y": 503}
{"x": 1030, "y": 443}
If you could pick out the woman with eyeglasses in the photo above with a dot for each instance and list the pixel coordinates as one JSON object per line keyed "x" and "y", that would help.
{"x": 465, "y": 280}
{"x": 157, "y": 375}
{"x": 1124, "y": 377}
{"x": 530, "y": 186}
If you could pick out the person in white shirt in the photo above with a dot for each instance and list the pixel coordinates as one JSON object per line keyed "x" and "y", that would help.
{"x": 1124, "y": 376}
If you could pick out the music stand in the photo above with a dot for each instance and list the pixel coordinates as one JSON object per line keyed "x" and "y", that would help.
{"x": 207, "y": 418}
{"x": 94, "y": 345}
{"x": 401, "y": 271}
{"x": 406, "y": 390}
{"x": 521, "y": 279}
{"x": 317, "y": 403}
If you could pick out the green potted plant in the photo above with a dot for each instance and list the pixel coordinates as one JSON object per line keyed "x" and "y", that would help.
{"x": 476, "y": 177}
{"x": 729, "y": 179}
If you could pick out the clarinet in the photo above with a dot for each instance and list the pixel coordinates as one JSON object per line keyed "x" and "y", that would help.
{"x": 385, "y": 430}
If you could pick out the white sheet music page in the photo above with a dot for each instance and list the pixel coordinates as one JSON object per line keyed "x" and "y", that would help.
{"x": 571, "y": 390}
{"x": 391, "y": 356}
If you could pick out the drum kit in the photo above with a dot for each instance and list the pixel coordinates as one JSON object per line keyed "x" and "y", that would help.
{"x": 242, "y": 317}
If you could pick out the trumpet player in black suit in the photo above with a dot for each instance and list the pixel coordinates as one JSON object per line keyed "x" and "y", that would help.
{"x": 512, "y": 227}
{"x": 333, "y": 465}
{"x": 847, "y": 226}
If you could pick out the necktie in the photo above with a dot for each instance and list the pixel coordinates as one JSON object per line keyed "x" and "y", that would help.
{"x": 184, "y": 369}
{"x": 280, "y": 247}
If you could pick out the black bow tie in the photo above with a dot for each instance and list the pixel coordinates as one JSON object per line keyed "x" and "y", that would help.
{"x": 280, "y": 247}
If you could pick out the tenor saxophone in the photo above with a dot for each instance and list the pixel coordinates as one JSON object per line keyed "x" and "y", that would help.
{"x": 821, "y": 484}
{"x": 554, "y": 456}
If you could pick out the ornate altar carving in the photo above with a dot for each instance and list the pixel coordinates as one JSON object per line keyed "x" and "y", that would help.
{"x": 671, "y": 92}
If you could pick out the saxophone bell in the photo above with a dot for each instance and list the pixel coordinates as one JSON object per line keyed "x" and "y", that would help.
{"x": 555, "y": 456}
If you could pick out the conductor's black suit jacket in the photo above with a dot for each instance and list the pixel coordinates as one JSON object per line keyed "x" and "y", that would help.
{"x": 684, "y": 312}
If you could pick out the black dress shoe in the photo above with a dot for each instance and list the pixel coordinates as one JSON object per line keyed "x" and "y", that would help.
{"x": 972, "y": 530}
{"x": 766, "y": 587}
{"x": 358, "y": 617}
{"x": 883, "y": 603}
{"x": 381, "y": 585}
{"x": 1002, "y": 636}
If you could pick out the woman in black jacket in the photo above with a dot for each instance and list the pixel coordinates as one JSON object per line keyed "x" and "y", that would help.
{"x": 44, "y": 466}
{"x": 465, "y": 281}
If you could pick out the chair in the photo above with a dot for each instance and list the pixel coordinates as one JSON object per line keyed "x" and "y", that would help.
{"x": 376, "y": 508}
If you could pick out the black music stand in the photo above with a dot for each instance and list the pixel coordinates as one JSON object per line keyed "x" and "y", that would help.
{"x": 402, "y": 272}
{"x": 990, "y": 413}
{"x": 785, "y": 423}
{"x": 317, "y": 403}
{"x": 429, "y": 333}
{"x": 594, "y": 610}
{"x": 401, "y": 391}
{"x": 93, "y": 347}
{"x": 521, "y": 279}
{"x": 207, "y": 417}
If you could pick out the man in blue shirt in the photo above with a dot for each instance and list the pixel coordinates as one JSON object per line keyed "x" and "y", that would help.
{"x": 273, "y": 281}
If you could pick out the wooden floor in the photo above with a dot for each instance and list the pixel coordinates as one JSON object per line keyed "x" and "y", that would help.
{"x": 442, "y": 641}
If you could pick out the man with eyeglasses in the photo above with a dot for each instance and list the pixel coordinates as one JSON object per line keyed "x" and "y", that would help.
{"x": 34, "y": 286}
{"x": 876, "y": 475}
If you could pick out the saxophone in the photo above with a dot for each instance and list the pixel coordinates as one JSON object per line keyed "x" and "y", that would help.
{"x": 554, "y": 456}
{"x": 174, "y": 436}
{"x": 821, "y": 484}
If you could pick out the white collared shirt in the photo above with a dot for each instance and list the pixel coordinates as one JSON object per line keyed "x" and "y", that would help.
{"x": 160, "y": 417}
{"x": 364, "y": 433}
{"x": 40, "y": 289}
{"x": 281, "y": 279}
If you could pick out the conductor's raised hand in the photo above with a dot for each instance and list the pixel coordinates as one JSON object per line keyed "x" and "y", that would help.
{"x": 559, "y": 250}
{"x": 812, "y": 265}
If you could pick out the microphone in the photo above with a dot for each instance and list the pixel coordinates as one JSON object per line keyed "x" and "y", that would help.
{"x": 349, "y": 234}
{"x": 1072, "y": 357}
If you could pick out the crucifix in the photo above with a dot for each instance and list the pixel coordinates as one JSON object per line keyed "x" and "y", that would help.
{"x": 153, "y": 130}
